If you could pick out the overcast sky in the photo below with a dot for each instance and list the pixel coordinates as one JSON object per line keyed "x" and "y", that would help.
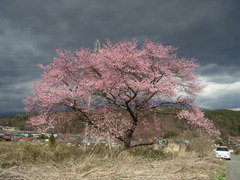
{"x": 208, "y": 30}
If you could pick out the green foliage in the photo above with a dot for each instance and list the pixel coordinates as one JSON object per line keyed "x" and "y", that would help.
{"x": 222, "y": 174}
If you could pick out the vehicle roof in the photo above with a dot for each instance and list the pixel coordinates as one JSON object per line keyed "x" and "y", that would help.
{"x": 223, "y": 146}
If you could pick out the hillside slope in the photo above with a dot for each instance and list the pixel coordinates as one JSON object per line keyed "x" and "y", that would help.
{"x": 227, "y": 121}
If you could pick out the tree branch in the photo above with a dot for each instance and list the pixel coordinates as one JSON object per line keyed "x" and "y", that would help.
{"x": 143, "y": 144}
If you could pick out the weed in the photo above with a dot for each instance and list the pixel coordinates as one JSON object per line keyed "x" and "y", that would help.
{"x": 222, "y": 175}
{"x": 42, "y": 161}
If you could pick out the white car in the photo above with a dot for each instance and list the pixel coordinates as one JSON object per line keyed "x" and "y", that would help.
{"x": 223, "y": 152}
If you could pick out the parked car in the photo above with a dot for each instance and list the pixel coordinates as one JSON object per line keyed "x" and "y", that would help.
{"x": 223, "y": 152}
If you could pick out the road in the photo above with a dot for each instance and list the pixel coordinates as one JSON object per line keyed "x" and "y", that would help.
{"x": 234, "y": 168}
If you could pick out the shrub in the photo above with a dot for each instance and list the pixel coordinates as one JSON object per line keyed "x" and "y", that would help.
{"x": 52, "y": 140}
{"x": 201, "y": 145}
{"x": 147, "y": 152}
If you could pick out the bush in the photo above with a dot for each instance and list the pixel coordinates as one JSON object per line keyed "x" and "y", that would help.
{"x": 201, "y": 145}
{"x": 169, "y": 134}
{"x": 147, "y": 152}
{"x": 237, "y": 150}
{"x": 52, "y": 140}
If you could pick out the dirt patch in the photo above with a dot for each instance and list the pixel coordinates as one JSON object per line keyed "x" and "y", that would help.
{"x": 10, "y": 175}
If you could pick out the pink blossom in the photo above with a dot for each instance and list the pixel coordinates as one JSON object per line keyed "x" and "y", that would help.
{"x": 195, "y": 117}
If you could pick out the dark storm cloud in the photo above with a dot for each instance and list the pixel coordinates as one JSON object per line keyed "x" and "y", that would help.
{"x": 31, "y": 31}
{"x": 205, "y": 30}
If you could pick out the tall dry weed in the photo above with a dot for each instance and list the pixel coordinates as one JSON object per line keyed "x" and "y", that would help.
{"x": 61, "y": 162}
{"x": 202, "y": 145}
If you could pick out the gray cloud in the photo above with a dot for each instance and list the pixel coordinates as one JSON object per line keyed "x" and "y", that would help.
{"x": 220, "y": 73}
{"x": 31, "y": 31}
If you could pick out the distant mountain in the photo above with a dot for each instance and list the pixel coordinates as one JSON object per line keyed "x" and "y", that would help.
{"x": 227, "y": 121}
{"x": 7, "y": 114}
{"x": 16, "y": 120}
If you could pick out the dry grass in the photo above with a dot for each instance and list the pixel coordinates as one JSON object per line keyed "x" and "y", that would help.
{"x": 41, "y": 162}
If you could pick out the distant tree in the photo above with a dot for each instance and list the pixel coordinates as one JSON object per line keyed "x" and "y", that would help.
{"x": 126, "y": 79}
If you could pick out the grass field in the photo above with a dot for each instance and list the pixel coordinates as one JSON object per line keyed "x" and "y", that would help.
{"x": 61, "y": 162}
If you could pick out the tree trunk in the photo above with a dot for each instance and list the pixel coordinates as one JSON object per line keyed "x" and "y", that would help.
{"x": 127, "y": 139}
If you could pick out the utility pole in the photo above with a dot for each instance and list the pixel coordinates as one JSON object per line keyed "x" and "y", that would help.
{"x": 97, "y": 46}
{"x": 96, "y": 49}
{"x": 86, "y": 124}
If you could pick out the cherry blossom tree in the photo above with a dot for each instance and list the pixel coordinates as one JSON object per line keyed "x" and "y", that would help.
{"x": 124, "y": 78}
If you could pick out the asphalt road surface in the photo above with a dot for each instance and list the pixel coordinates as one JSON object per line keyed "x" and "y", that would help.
{"x": 234, "y": 168}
